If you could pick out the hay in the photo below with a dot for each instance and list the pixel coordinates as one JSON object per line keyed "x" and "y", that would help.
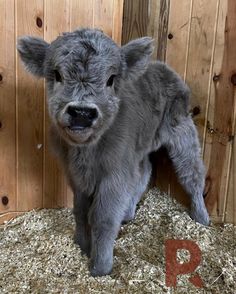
{"x": 37, "y": 254}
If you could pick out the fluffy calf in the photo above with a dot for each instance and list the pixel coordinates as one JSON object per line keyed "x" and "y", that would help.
{"x": 110, "y": 107}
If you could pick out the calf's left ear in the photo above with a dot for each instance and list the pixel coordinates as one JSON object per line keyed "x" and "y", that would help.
{"x": 136, "y": 55}
{"x": 33, "y": 52}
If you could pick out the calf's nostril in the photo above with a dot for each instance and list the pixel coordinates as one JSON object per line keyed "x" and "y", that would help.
{"x": 93, "y": 114}
{"x": 72, "y": 111}
{"x": 86, "y": 113}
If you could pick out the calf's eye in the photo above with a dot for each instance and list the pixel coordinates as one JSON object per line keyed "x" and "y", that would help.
{"x": 58, "y": 76}
{"x": 110, "y": 81}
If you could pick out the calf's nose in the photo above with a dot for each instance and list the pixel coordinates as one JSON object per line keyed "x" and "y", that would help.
{"x": 81, "y": 117}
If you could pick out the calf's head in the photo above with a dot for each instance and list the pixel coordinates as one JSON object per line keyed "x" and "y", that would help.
{"x": 83, "y": 71}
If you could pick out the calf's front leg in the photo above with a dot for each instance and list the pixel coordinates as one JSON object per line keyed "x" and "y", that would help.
{"x": 82, "y": 235}
{"x": 105, "y": 217}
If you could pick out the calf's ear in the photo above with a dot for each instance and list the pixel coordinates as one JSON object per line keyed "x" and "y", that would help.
{"x": 32, "y": 52}
{"x": 136, "y": 55}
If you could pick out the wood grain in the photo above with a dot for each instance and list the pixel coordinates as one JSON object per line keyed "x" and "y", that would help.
{"x": 81, "y": 14}
{"x": 55, "y": 184}
{"x": 204, "y": 13}
{"x": 103, "y": 16}
{"x": 223, "y": 120}
{"x": 153, "y": 23}
{"x": 215, "y": 75}
{"x": 209, "y": 133}
{"x": 163, "y": 29}
{"x": 176, "y": 57}
{"x": 142, "y": 18}
{"x": 178, "y": 35}
{"x": 30, "y": 101}
{"x": 7, "y": 107}
{"x": 117, "y": 20}
{"x": 230, "y": 201}
{"x": 135, "y": 19}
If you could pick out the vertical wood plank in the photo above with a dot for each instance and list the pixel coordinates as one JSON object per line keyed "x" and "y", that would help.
{"x": 7, "y": 108}
{"x": 147, "y": 18}
{"x": 216, "y": 71}
{"x": 204, "y": 13}
{"x": 223, "y": 122}
{"x": 57, "y": 21}
{"x": 57, "y": 18}
{"x": 178, "y": 35}
{"x": 218, "y": 55}
{"x": 163, "y": 29}
{"x": 230, "y": 201}
{"x": 230, "y": 209}
{"x": 176, "y": 57}
{"x": 29, "y": 113}
{"x": 135, "y": 19}
{"x": 81, "y": 14}
{"x": 153, "y": 23}
{"x": 103, "y": 15}
{"x": 117, "y": 20}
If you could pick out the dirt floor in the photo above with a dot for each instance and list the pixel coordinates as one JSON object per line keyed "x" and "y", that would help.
{"x": 37, "y": 254}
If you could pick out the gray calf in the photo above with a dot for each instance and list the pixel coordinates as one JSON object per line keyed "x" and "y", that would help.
{"x": 110, "y": 107}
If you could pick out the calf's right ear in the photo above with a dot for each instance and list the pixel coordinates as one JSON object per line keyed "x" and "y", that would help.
{"x": 137, "y": 54}
{"x": 33, "y": 52}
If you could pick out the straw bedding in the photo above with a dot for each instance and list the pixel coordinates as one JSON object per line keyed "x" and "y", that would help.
{"x": 37, "y": 254}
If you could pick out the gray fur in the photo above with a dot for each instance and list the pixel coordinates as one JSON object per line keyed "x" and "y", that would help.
{"x": 108, "y": 164}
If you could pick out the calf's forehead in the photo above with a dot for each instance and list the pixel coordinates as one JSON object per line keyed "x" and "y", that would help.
{"x": 72, "y": 50}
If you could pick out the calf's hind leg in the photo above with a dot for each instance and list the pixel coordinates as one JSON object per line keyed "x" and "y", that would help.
{"x": 144, "y": 173}
{"x": 184, "y": 150}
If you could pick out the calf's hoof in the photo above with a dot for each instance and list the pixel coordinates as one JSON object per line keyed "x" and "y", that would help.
{"x": 100, "y": 269}
{"x": 201, "y": 216}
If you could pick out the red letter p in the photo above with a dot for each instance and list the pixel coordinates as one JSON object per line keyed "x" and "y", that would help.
{"x": 173, "y": 268}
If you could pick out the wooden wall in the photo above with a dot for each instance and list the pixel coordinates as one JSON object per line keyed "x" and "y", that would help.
{"x": 29, "y": 176}
{"x": 198, "y": 39}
